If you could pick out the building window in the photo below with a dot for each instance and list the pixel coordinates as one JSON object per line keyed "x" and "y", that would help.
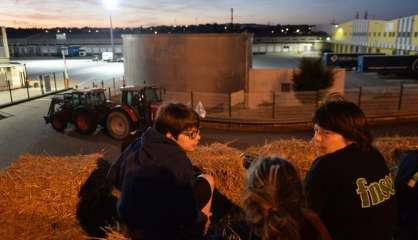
{"x": 416, "y": 34}
{"x": 378, "y": 34}
{"x": 285, "y": 87}
{"x": 384, "y": 34}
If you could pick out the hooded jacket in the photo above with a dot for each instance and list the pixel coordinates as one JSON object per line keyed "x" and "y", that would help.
{"x": 155, "y": 178}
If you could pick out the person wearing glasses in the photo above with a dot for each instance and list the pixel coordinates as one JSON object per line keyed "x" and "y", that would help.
{"x": 349, "y": 185}
{"x": 161, "y": 195}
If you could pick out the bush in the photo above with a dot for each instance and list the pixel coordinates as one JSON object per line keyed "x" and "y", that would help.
{"x": 312, "y": 76}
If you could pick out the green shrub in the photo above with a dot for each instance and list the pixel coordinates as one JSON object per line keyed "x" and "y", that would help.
{"x": 312, "y": 76}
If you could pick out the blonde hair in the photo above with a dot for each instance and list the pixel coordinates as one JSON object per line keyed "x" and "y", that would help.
{"x": 273, "y": 200}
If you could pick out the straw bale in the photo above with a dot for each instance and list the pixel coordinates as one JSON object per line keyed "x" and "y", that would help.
{"x": 38, "y": 196}
{"x": 302, "y": 152}
{"x": 224, "y": 163}
{"x": 299, "y": 152}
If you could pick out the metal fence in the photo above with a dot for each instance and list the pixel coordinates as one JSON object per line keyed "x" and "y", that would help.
{"x": 270, "y": 107}
{"x": 292, "y": 107}
{"x": 33, "y": 86}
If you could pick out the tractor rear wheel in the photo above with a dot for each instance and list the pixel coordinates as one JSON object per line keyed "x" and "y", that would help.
{"x": 84, "y": 122}
{"x": 58, "y": 122}
{"x": 118, "y": 125}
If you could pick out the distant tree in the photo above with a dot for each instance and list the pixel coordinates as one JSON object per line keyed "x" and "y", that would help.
{"x": 312, "y": 75}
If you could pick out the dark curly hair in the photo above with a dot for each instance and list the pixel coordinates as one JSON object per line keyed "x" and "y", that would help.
{"x": 273, "y": 200}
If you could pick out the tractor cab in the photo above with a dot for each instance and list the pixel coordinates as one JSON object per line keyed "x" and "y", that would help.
{"x": 143, "y": 100}
{"x": 139, "y": 105}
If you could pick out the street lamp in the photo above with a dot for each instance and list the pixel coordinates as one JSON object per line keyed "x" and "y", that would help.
{"x": 111, "y": 5}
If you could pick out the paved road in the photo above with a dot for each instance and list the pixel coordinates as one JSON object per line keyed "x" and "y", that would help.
{"x": 83, "y": 70}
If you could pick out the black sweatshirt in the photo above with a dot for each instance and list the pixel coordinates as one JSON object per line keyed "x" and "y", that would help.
{"x": 353, "y": 193}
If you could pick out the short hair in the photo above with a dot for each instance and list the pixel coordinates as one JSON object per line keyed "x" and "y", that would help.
{"x": 345, "y": 118}
{"x": 274, "y": 199}
{"x": 176, "y": 118}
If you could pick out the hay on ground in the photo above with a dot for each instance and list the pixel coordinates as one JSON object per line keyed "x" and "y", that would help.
{"x": 39, "y": 195}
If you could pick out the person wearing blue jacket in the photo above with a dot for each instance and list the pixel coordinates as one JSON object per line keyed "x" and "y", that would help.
{"x": 157, "y": 181}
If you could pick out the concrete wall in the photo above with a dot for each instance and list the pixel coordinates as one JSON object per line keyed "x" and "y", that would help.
{"x": 217, "y": 63}
{"x": 265, "y": 81}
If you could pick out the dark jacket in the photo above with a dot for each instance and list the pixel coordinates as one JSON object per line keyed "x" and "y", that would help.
{"x": 155, "y": 149}
{"x": 155, "y": 178}
{"x": 406, "y": 186}
{"x": 353, "y": 193}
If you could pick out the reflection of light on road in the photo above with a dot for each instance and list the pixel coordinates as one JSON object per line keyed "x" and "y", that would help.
{"x": 82, "y": 71}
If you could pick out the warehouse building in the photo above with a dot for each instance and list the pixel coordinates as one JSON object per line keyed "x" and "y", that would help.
{"x": 52, "y": 44}
{"x": 12, "y": 75}
{"x": 393, "y": 37}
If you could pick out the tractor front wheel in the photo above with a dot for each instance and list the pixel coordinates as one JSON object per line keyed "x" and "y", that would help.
{"x": 58, "y": 123}
{"x": 85, "y": 122}
{"x": 118, "y": 125}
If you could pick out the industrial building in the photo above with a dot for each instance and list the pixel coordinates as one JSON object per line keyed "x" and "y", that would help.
{"x": 12, "y": 75}
{"x": 307, "y": 45}
{"x": 393, "y": 37}
{"x": 51, "y": 44}
{"x": 95, "y": 42}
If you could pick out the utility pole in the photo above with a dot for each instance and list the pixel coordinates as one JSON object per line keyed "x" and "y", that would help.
{"x": 232, "y": 19}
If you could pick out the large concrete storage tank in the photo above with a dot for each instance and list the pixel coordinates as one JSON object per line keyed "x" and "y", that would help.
{"x": 217, "y": 63}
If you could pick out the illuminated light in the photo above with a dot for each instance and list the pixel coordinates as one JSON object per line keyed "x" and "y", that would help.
{"x": 328, "y": 39}
{"x": 287, "y": 29}
{"x": 272, "y": 31}
{"x": 155, "y": 32}
{"x": 336, "y": 26}
{"x": 89, "y": 30}
{"x": 58, "y": 30}
{"x": 97, "y": 30}
{"x": 225, "y": 27}
{"x": 46, "y": 31}
{"x": 297, "y": 30}
{"x": 110, "y": 4}
{"x": 282, "y": 30}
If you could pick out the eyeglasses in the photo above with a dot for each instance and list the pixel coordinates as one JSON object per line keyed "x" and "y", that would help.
{"x": 192, "y": 134}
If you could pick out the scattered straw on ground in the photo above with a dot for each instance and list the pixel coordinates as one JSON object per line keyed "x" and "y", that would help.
{"x": 38, "y": 196}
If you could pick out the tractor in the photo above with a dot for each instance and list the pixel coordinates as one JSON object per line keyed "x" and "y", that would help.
{"x": 88, "y": 108}
{"x": 83, "y": 108}
{"x": 138, "y": 108}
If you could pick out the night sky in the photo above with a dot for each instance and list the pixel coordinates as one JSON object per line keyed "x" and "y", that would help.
{"x": 134, "y": 13}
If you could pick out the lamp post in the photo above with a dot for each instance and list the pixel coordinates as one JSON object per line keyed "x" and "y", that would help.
{"x": 110, "y": 5}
